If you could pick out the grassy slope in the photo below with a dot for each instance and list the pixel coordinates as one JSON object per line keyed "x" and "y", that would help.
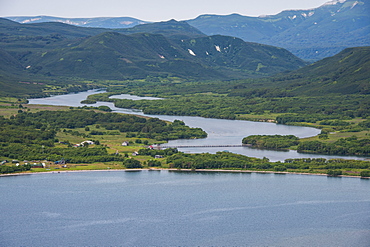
{"x": 343, "y": 74}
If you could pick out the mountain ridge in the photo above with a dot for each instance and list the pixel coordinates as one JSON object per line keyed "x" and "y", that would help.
{"x": 113, "y": 55}
{"x": 322, "y": 31}
{"x": 103, "y": 22}
{"x": 311, "y": 34}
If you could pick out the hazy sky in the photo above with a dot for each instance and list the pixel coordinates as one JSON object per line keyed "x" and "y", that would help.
{"x": 150, "y": 10}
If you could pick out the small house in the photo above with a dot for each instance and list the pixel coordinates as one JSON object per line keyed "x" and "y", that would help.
{"x": 87, "y": 142}
{"x": 60, "y": 162}
{"x": 38, "y": 165}
{"x": 125, "y": 143}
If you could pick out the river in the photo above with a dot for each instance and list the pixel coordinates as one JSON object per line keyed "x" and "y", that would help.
{"x": 220, "y": 131}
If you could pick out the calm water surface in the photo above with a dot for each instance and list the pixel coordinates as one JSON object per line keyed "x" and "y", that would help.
{"x": 162, "y": 208}
{"x": 220, "y": 131}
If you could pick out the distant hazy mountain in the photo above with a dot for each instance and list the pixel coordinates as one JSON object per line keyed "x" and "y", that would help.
{"x": 310, "y": 34}
{"x": 10, "y": 29}
{"x": 104, "y": 22}
{"x": 171, "y": 29}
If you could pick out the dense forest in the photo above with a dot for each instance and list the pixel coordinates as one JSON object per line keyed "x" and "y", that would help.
{"x": 226, "y": 160}
{"x": 219, "y": 105}
{"x": 32, "y": 136}
{"x": 145, "y": 127}
{"x": 344, "y": 146}
{"x": 271, "y": 141}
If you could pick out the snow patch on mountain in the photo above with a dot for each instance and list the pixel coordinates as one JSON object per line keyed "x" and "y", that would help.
{"x": 334, "y": 2}
{"x": 191, "y": 52}
{"x": 355, "y": 3}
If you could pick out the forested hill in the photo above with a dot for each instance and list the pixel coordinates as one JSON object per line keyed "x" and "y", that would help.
{"x": 343, "y": 74}
{"x": 235, "y": 53}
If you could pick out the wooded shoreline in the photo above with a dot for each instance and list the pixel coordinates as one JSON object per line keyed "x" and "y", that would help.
{"x": 180, "y": 170}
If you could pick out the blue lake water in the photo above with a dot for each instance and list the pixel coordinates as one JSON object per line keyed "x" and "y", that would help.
{"x": 163, "y": 208}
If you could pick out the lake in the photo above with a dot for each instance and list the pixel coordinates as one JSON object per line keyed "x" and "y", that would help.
{"x": 163, "y": 208}
{"x": 220, "y": 131}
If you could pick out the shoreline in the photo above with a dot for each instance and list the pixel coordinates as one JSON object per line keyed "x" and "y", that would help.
{"x": 179, "y": 170}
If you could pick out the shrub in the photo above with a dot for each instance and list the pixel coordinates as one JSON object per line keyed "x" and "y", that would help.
{"x": 365, "y": 174}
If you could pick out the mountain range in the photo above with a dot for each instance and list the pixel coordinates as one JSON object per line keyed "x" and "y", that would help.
{"x": 309, "y": 34}
{"x": 54, "y": 53}
{"x": 171, "y": 48}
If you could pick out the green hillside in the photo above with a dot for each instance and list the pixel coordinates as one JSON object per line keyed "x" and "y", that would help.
{"x": 14, "y": 80}
{"x": 117, "y": 56}
{"x": 346, "y": 73}
{"x": 236, "y": 54}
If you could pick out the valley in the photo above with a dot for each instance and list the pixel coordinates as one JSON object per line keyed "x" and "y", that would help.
{"x": 158, "y": 123}
{"x": 197, "y": 71}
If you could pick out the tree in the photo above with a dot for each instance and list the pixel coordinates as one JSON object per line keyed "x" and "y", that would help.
{"x": 334, "y": 173}
{"x": 132, "y": 163}
{"x": 152, "y": 163}
{"x": 280, "y": 168}
{"x": 365, "y": 174}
